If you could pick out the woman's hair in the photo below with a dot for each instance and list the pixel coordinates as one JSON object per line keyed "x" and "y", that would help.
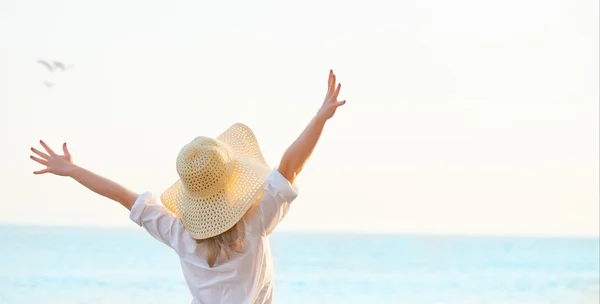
{"x": 229, "y": 242}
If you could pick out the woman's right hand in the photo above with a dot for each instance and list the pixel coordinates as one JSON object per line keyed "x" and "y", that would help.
{"x": 331, "y": 103}
{"x": 61, "y": 165}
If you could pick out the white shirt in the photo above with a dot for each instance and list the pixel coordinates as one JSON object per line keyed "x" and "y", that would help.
{"x": 245, "y": 278}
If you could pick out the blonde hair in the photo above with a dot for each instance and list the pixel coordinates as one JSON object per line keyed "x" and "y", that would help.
{"x": 229, "y": 242}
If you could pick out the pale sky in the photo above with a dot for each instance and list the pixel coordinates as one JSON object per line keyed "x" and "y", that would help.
{"x": 463, "y": 117}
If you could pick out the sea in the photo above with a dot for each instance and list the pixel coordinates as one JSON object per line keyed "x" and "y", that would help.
{"x": 69, "y": 265}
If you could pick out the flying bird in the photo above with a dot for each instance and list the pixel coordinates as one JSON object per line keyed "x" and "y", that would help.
{"x": 51, "y": 66}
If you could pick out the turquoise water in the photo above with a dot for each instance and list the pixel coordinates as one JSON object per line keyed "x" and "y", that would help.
{"x": 92, "y": 265}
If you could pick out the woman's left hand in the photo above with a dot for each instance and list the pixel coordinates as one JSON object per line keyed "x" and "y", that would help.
{"x": 61, "y": 165}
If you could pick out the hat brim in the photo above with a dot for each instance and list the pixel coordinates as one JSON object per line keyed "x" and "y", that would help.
{"x": 205, "y": 217}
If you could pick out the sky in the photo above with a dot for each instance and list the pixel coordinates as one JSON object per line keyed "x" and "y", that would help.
{"x": 462, "y": 117}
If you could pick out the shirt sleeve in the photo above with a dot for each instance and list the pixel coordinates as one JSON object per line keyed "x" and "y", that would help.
{"x": 158, "y": 221}
{"x": 278, "y": 196}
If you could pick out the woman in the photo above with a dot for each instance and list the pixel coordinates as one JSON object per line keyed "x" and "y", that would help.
{"x": 217, "y": 217}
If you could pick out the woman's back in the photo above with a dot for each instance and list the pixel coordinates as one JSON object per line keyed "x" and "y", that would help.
{"x": 244, "y": 277}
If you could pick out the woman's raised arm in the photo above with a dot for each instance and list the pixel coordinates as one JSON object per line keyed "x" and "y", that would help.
{"x": 63, "y": 165}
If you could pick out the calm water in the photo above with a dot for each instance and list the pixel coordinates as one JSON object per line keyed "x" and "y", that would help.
{"x": 87, "y": 265}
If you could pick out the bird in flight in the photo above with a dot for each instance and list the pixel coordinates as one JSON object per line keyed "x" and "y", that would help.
{"x": 53, "y": 65}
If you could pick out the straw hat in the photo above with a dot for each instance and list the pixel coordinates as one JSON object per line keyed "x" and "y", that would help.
{"x": 219, "y": 179}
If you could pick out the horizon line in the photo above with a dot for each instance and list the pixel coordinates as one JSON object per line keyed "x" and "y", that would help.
{"x": 339, "y": 232}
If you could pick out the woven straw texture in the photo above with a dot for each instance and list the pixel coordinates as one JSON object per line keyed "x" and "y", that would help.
{"x": 219, "y": 179}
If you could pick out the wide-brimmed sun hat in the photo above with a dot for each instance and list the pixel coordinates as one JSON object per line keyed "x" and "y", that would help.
{"x": 219, "y": 180}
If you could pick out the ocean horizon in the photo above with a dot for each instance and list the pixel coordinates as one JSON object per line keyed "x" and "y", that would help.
{"x": 68, "y": 265}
